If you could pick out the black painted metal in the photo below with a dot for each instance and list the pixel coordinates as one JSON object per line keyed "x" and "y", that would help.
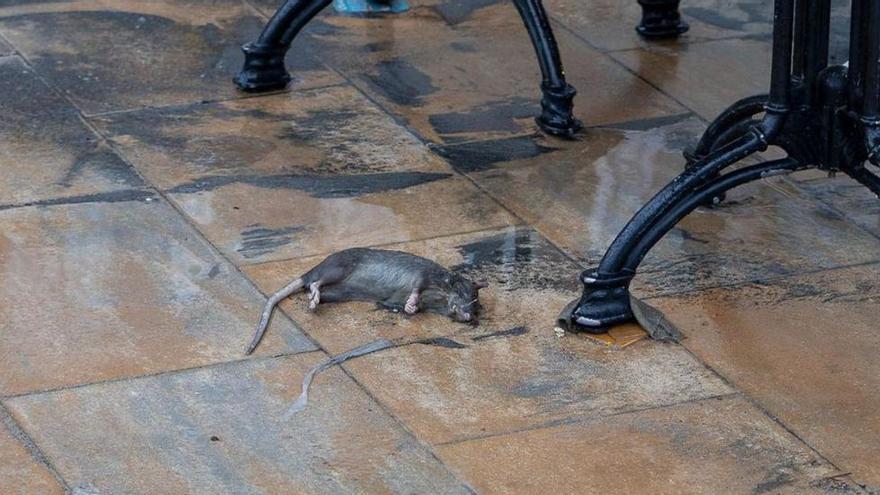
{"x": 556, "y": 106}
{"x": 264, "y": 68}
{"x": 821, "y": 117}
{"x": 661, "y": 19}
{"x": 264, "y": 59}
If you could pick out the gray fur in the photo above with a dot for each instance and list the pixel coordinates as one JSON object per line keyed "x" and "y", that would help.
{"x": 387, "y": 278}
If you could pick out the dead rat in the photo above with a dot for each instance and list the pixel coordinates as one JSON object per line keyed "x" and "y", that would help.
{"x": 393, "y": 279}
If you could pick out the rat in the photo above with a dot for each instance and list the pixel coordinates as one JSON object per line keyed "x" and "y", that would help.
{"x": 394, "y": 280}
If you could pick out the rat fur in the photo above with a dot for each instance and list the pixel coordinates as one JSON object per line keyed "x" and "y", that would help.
{"x": 392, "y": 279}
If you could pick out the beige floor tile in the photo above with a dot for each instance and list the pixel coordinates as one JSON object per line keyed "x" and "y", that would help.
{"x": 477, "y": 78}
{"x": 47, "y": 152}
{"x": 109, "y": 55}
{"x": 805, "y": 348}
{"x": 220, "y": 430}
{"x": 333, "y": 131}
{"x": 705, "y": 77}
{"x": 113, "y": 289}
{"x": 20, "y": 474}
{"x": 716, "y": 446}
{"x": 610, "y": 24}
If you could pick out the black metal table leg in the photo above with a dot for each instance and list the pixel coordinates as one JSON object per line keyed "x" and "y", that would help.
{"x": 264, "y": 59}
{"x": 821, "y": 117}
{"x": 264, "y": 68}
{"x": 556, "y": 105}
{"x": 661, "y": 19}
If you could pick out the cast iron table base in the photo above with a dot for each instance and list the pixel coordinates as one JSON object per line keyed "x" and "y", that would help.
{"x": 264, "y": 68}
{"x": 660, "y": 19}
{"x": 823, "y": 117}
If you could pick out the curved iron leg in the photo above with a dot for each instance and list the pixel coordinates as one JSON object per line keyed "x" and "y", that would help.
{"x": 661, "y": 19}
{"x": 605, "y": 300}
{"x": 718, "y": 186}
{"x": 742, "y": 111}
{"x": 735, "y": 121}
{"x": 556, "y": 105}
{"x": 264, "y": 59}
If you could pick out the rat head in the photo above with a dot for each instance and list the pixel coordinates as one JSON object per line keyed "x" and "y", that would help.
{"x": 462, "y": 298}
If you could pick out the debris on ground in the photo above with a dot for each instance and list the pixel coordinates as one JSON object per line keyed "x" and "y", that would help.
{"x": 650, "y": 319}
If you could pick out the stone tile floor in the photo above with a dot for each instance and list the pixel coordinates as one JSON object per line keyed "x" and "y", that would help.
{"x": 147, "y": 208}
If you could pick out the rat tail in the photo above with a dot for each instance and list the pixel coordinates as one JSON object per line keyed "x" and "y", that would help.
{"x": 267, "y": 311}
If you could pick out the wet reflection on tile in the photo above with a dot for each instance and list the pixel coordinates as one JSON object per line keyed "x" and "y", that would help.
{"x": 610, "y": 24}
{"x": 805, "y": 348}
{"x": 485, "y": 84}
{"x": 326, "y": 132}
{"x": 848, "y": 197}
{"x": 705, "y": 77}
{"x": 300, "y": 174}
{"x": 581, "y": 194}
{"x": 48, "y": 153}
{"x": 20, "y": 474}
{"x": 252, "y": 224}
{"x": 117, "y": 288}
{"x": 710, "y": 446}
{"x": 121, "y": 55}
{"x": 511, "y": 371}
{"x": 220, "y": 430}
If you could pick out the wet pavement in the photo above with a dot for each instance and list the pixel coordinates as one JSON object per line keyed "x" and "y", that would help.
{"x": 147, "y": 208}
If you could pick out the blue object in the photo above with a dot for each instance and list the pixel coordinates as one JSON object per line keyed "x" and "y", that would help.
{"x": 360, "y": 6}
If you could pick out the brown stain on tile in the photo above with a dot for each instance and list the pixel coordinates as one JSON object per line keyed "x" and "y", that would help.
{"x": 709, "y": 446}
{"x": 121, "y": 55}
{"x": 137, "y": 294}
{"x": 153, "y": 435}
{"x": 805, "y": 348}
{"x": 620, "y": 336}
{"x": 20, "y": 474}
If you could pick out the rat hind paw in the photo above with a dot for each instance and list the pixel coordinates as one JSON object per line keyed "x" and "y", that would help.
{"x": 412, "y": 303}
{"x": 314, "y": 296}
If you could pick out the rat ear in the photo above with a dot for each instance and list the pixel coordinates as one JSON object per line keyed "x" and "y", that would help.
{"x": 480, "y": 284}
